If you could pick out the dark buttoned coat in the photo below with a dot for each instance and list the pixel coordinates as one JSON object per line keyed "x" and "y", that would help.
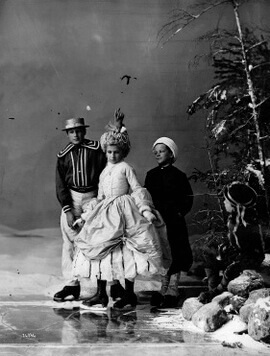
{"x": 173, "y": 198}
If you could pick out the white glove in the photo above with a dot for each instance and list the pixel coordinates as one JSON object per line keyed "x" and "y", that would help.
{"x": 149, "y": 216}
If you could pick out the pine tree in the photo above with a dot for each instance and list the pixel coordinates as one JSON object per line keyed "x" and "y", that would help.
{"x": 236, "y": 105}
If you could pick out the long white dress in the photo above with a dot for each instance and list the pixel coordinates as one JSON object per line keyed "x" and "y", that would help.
{"x": 116, "y": 241}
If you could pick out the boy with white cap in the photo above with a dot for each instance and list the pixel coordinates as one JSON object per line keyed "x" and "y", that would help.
{"x": 173, "y": 198}
{"x": 78, "y": 168}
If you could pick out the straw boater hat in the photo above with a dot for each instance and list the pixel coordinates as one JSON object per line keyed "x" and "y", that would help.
{"x": 74, "y": 123}
{"x": 169, "y": 143}
{"x": 240, "y": 194}
{"x": 116, "y": 134}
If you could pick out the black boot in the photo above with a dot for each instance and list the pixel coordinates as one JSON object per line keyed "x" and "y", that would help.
{"x": 169, "y": 301}
{"x": 67, "y": 291}
{"x": 100, "y": 300}
{"x": 206, "y": 297}
{"x": 215, "y": 286}
{"x": 158, "y": 297}
{"x": 171, "y": 297}
{"x": 117, "y": 291}
{"x": 213, "y": 278}
{"x": 129, "y": 300}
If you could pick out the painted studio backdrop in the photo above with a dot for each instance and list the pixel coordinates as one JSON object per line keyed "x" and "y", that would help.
{"x": 65, "y": 58}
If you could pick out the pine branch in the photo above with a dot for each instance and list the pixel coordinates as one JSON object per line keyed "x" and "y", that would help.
{"x": 186, "y": 17}
{"x": 255, "y": 45}
{"x": 262, "y": 102}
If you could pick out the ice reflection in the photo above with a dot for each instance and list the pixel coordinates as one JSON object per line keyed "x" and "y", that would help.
{"x": 69, "y": 325}
{"x": 100, "y": 321}
{"x": 125, "y": 319}
{"x": 81, "y": 326}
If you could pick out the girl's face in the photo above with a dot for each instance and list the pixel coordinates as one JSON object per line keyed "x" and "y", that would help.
{"x": 163, "y": 154}
{"x": 76, "y": 135}
{"x": 228, "y": 206}
{"x": 114, "y": 154}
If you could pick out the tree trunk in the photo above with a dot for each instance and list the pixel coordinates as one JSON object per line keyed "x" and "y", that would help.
{"x": 252, "y": 95}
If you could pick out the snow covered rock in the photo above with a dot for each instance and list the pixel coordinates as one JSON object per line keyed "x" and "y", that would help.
{"x": 210, "y": 317}
{"x": 245, "y": 312}
{"x": 245, "y": 283}
{"x": 223, "y": 299}
{"x": 259, "y": 321}
{"x": 256, "y": 294}
{"x": 190, "y": 306}
{"x": 237, "y": 302}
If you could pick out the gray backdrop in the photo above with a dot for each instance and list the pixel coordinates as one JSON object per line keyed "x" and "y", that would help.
{"x": 60, "y": 56}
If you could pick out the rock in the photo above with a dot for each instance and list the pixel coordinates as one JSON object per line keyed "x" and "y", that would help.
{"x": 190, "y": 306}
{"x": 232, "y": 345}
{"x": 223, "y": 299}
{"x": 246, "y": 282}
{"x": 259, "y": 321}
{"x": 258, "y": 293}
{"x": 265, "y": 270}
{"x": 210, "y": 317}
{"x": 245, "y": 312}
{"x": 254, "y": 295}
{"x": 237, "y": 302}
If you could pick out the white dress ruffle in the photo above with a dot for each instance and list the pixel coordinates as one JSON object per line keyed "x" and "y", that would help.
{"x": 117, "y": 242}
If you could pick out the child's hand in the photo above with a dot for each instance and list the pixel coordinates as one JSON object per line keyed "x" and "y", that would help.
{"x": 78, "y": 224}
{"x": 70, "y": 219}
{"x": 149, "y": 216}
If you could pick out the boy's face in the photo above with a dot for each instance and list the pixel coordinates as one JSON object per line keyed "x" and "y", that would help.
{"x": 76, "y": 135}
{"x": 163, "y": 154}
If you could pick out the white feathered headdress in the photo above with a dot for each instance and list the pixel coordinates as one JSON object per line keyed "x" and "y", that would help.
{"x": 116, "y": 134}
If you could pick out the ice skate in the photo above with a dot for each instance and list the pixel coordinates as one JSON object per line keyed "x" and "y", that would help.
{"x": 99, "y": 302}
{"x": 117, "y": 291}
{"x": 67, "y": 293}
{"x": 128, "y": 302}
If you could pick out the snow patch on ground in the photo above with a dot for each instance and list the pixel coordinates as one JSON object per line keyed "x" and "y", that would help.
{"x": 14, "y": 284}
{"x": 30, "y": 264}
{"x": 227, "y": 334}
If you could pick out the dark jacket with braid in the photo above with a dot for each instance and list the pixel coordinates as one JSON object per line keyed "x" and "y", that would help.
{"x": 78, "y": 168}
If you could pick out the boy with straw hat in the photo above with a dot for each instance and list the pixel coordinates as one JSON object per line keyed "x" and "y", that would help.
{"x": 78, "y": 168}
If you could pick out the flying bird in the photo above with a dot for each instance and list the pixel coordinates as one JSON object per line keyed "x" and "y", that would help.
{"x": 128, "y": 77}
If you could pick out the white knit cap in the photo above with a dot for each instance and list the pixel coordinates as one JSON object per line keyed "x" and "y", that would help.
{"x": 169, "y": 143}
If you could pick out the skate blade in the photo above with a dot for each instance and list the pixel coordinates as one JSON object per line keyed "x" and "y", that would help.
{"x": 69, "y": 304}
{"x": 69, "y": 298}
{"x": 94, "y": 308}
{"x": 96, "y": 312}
{"x": 156, "y": 310}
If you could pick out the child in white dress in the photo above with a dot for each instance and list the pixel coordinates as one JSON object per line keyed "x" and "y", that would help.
{"x": 123, "y": 234}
